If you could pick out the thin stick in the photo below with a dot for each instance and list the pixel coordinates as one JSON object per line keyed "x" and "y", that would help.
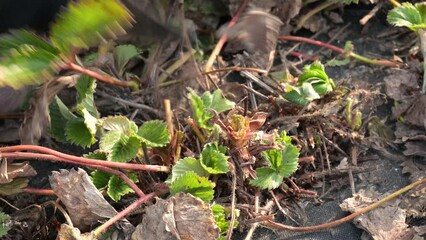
{"x": 256, "y": 210}
{"x": 349, "y": 217}
{"x": 233, "y": 202}
{"x": 169, "y": 121}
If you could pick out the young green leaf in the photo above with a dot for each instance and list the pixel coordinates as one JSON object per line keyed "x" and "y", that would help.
{"x": 85, "y": 23}
{"x": 302, "y": 95}
{"x": 267, "y": 178}
{"x": 122, "y": 55}
{"x": 90, "y": 121}
{"x": 4, "y": 224}
{"x": 13, "y": 187}
{"x": 154, "y": 133}
{"x": 202, "y": 105}
{"x": 192, "y": 183}
{"x": 97, "y": 154}
{"x": 118, "y": 188}
{"x": 408, "y": 15}
{"x": 119, "y": 123}
{"x": 283, "y": 163}
{"x": 27, "y": 66}
{"x": 220, "y": 217}
{"x": 77, "y": 132}
{"x": 100, "y": 178}
{"x": 119, "y": 146}
{"x": 186, "y": 165}
{"x": 213, "y": 159}
{"x": 85, "y": 88}
{"x": 59, "y": 117}
{"x": 316, "y": 76}
{"x": 18, "y": 38}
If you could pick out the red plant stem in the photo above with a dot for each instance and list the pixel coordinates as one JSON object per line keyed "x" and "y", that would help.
{"x": 311, "y": 41}
{"x": 101, "y": 77}
{"x": 48, "y": 192}
{"x": 341, "y": 51}
{"x": 224, "y": 37}
{"x": 82, "y": 160}
{"x": 123, "y": 213}
{"x": 121, "y": 175}
{"x": 303, "y": 56}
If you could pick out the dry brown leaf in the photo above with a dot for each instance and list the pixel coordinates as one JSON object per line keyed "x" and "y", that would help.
{"x": 256, "y": 32}
{"x": 416, "y": 113}
{"x": 9, "y": 171}
{"x": 180, "y": 217}
{"x": 70, "y": 233}
{"x": 400, "y": 83}
{"x": 383, "y": 223}
{"x": 12, "y": 99}
{"x": 85, "y": 204}
{"x": 37, "y": 117}
{"x": 417, "y": 148}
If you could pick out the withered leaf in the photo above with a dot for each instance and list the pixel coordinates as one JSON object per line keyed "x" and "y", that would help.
{"x": 70, "y": 233}
{"x": 180, "y": 217}
{"x": 85, "y": 204}
{"x": 384, "y": 222}
{"x": 37, "y": 117}
{"x": 9, "y": 171}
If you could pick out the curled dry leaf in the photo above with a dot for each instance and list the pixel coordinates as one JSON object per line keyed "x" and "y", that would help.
{"x": 10, "y": 171}
{"x": 67, "y": 232}
{"x": 180, "y": 217}
{"x": 85, "y": 204}
{"x": 37, "y": 117}
{"x": 257, "y": 33}
{"x": 12, "y": 99}
{"x": 400, "y": 83}
{"x": 378, "y": 222}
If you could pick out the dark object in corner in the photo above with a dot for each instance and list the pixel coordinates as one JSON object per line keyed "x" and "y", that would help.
{"x": 33, "y": 14}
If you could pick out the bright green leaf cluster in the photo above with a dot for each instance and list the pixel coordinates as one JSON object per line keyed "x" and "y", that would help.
{"x": 202, "y": 106}
{"x": 220, "y": 216}
{"x": 409, "y": 15}
{"x": 116, "y": 188}
{"x": 26, "y": 58}
{"x": 80, "y": 125}
{"x": 154, "y": 133}
{"x": 121, "y": 143}
{"x": 122, "y": 55}
{"x": 4, "y": 224}
{"x": 282, "y": 163}
{"x": 212, "y": 161}
{"x": 191, "y": 183}
{"x": 85, "y": 23}
{"x": 312, "y": 84}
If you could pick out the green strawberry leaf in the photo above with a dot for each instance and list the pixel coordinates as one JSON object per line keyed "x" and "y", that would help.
{"x": 191, "y": 183}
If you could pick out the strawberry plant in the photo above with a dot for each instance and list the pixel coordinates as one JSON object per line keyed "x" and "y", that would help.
{"x": 30, "y": 59}
{"x": 312, "y": 84}
{"x": 412, "y": 16}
